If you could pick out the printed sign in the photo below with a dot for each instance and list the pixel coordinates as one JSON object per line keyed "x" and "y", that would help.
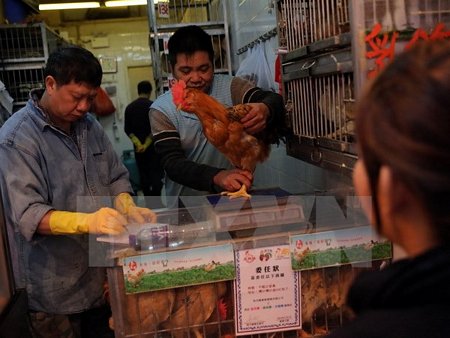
{"x": 267, "y": 291}
{"x": 165, "y": 270}
{"x": 343, "y": 246}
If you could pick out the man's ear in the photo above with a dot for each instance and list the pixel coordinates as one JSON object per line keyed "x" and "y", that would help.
{"x": 50, "y": 84}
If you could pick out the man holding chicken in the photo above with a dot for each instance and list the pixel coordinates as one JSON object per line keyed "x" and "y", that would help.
{"x": 193, "y": 165}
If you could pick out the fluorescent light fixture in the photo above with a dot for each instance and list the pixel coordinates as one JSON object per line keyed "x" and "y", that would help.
{"x": 68, "y": 5}
{"x": 121, "y": 3}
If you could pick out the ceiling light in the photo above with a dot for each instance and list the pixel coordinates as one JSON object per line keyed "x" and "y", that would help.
{"x": 120, "y": 3}
{"x": 68, "y": 5}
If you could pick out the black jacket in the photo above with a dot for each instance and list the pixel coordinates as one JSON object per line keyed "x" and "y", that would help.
{"x": 408, "y": 299}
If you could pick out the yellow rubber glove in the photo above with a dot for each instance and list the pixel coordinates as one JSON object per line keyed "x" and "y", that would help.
{"x": 137, "y": 143}
{"x": 125, "y": 205}
{"x": 135, "y": 140}
{"x": 103, "y": 221}
{"x": 147, "y": 143}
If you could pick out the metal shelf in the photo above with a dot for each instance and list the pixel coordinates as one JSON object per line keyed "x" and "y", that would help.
{"x": 24, "y": 49}
{"x": 182, "y": 13}
{"x": 327, "y": 63}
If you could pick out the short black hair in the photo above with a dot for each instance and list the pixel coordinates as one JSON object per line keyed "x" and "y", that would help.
{"x": 188, "y": 40}
{"x": 74, "y": 63}
{"x": 144, "y": 87}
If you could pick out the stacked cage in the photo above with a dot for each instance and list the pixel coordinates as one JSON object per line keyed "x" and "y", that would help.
{"x": 24, "y": 50}
{"x": 333, "y": 49}
{"x": 166, "y": 17}
{"x": 318, "y": 79}
{"x": 207, "y": 310}
{"x": 382, "y": 29}
{"x": 212, "y": 309}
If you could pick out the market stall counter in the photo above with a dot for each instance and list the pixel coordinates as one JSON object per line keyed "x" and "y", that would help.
{"x": 275, "y": 265}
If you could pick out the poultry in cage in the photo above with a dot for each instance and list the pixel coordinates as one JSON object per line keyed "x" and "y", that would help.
{"x": 194, "y": 306}
{"x": 147, "y": 310}
{"x": 324, "y": 293}
{"x": 336, "y": 108}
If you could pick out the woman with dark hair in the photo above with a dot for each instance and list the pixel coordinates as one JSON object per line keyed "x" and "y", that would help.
{"x": 402, "y": 178}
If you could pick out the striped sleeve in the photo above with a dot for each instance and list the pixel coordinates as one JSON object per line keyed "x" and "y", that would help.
{"x": 173, "y": 159}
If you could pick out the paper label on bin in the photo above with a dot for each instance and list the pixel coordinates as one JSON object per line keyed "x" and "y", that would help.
{"x": 164, "y": 270}
{"x": 338, "y": 247}
{"x": 267, "y": 291}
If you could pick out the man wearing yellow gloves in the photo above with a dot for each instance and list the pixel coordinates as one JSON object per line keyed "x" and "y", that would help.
{"x": 61, "y": 181}
{"x": 137, "y": 127}
{"x": 104, "y": 221}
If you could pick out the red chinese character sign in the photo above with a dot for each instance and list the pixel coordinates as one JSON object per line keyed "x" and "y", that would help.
{"x": 381, "y": 46}
{"x": 439, "y": 32}
{"x": 163, "y": 9}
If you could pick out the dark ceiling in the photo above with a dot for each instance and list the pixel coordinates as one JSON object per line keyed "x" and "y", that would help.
{"x": 103, "y": 13}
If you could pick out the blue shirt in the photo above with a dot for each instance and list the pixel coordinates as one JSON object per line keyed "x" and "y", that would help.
{"x": 42, "y": 169}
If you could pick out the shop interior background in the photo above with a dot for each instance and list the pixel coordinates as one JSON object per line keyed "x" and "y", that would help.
{"x": 122, "y": 34}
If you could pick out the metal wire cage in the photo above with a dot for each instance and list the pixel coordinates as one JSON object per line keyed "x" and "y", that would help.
{"x": 27, "y": 43}
{"x": 198, "y": 311}
{"x": 20, "y": 81}
{"x": 20, "y": 43}
{"x": 216, "y": 309}
{"x": 166, "y": 17}
{"x": 333, "y": 49}
{"x": 24, "y": 50}
{"x": 173, "y": 12}
{"x": 306, "y": 21}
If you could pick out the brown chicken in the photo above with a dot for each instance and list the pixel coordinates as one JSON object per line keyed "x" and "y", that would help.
{"x": 324, "y": 291}
{"x": 222, "y": 127}
{"x": 193, "y": 307}
{"x": 145, "y": 311}
{"x": 137, "y": 313}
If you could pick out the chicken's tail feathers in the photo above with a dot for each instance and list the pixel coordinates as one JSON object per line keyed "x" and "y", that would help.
{"x": 275, "y": 135}
{"x": 280, "y": 129}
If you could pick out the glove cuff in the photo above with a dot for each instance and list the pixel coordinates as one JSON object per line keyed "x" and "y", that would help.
{"x": 66, "y": 222}
{"x": 135, "y": 140}
{"x": 123, "y": 203}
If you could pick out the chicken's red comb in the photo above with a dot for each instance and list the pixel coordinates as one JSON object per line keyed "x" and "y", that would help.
{"x": 222, "y": 307}
{"x": 178, "y": 88}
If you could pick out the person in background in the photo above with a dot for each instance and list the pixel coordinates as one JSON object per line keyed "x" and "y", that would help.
{"x": 137, "y": 127}
{"x": 401, "y": 177}
{"x": 58, "y": 169}
{"x": 193, "y": 166}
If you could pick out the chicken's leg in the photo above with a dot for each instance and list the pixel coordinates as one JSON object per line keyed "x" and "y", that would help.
{"x": 242, "y": 192}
